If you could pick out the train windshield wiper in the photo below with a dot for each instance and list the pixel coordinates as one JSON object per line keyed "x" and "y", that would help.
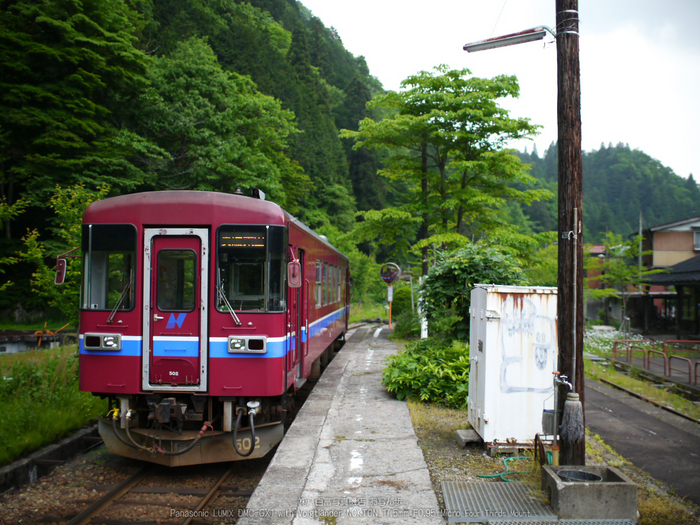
{"x": 125, "y": 290}
{"x": 222, "y": 295}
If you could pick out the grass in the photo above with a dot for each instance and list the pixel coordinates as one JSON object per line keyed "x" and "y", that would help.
{"x": 438, "y": 419}
{"x": 40, "y": 400}
{"x": 657, "y": 509}
{"x": 359, "y": 311}
{"x": 644, "y": 388}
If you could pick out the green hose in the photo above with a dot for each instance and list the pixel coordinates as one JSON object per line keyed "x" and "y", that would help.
{"x": 503, "y": 474}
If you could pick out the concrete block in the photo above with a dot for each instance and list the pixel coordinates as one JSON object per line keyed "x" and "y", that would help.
{"x": 465, "y": 436}
{"x": 615, "y": 497}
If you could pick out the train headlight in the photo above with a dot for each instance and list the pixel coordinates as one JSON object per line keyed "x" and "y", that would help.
{"x": 111, "y": 342}
{"x": 236, "y": 344}
{"x": 247, "y": 345}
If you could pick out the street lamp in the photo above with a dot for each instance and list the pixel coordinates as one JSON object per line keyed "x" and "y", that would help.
{"x": 529, "y": 35}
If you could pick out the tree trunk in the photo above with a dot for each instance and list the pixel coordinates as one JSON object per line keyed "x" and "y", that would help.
{"x": 460, "y": 210}
{"x": 570, "y": 197}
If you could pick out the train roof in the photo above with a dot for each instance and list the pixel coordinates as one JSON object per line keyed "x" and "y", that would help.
{"x": 184, "y": 208}
{"x": 191, "y": 208}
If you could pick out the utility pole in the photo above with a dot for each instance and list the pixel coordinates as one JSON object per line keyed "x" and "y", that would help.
{"x": 570, "y": 227}
{"x": 570, "y": 254}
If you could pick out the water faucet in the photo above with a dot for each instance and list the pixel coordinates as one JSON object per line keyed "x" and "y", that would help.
{"x": 560, "y": 379}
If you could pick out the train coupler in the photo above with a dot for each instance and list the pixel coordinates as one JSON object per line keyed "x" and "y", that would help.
{"x": 168, "y": 410}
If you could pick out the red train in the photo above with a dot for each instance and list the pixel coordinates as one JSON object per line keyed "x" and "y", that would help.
{"x": 201, "y": 315}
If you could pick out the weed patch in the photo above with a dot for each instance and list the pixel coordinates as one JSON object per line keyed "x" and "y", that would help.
{"x": 41, "y": 401}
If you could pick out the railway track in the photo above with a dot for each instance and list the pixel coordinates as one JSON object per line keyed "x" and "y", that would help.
{"x": 197, "y": 495}
{"x": 162, "y": 496}
{"x": 101, "y": 488}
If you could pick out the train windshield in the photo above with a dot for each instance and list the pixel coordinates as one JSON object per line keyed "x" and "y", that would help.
{"x": 109, "y": 256}
{"x": 251, "y": 268}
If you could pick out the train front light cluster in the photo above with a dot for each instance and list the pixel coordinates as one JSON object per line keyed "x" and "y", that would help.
{"x": 247, "y": 345}
{"x": 109, "y": 342}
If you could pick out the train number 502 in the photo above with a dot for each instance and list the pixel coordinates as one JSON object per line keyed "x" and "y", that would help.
{"x": 244, "y": 444}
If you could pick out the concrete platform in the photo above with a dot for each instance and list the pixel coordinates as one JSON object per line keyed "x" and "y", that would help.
{"x": 351, "y": 455}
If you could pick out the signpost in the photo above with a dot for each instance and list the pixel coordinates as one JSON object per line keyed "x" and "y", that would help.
{"x": 390, "y": 273}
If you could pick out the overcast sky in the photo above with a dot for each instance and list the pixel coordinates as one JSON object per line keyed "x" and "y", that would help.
{"x": 640, "y": 62}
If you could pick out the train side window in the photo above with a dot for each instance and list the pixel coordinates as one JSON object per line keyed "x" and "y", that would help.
{"x": 325, "y": 283}
{"x": 338, "y": 292}
{"x": 109, "y": 259}
{"x": 332, "y": 283}
{"x": 319, "y": 284}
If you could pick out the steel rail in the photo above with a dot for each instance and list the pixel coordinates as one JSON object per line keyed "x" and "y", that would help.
{"x": 206, "y": 499}
{"x": 105, "y": 501}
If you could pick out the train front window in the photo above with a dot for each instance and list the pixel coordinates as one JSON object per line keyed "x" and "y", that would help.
{"x": 250, "y": 273}
{"x": 109, "y": 256}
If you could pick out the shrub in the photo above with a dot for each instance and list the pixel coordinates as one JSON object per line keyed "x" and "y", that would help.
{"x": 402, "y": 301}
{"x": 447, "y": 289}
{"x": 434, "y": 370}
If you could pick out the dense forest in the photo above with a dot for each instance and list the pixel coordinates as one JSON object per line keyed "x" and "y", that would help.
{"x": 189, "y": 94}
{"x": 618, "y": 184}
{"x": 118, "y": 96}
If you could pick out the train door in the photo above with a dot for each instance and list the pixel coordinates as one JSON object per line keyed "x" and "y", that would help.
{"x": 175, "y": 317}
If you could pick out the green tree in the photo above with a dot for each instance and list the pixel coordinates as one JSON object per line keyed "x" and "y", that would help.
{"x": 214, "y": 130}
{"x": 8, "y": 212}
{"x": 543, "y": 268}
{"x": 68, "y": 204}
{"x": 69, "y": 68}
{"x": 446, "y": 132}
{"x": 318, "y": 148}
{"x": 618, "y": 269}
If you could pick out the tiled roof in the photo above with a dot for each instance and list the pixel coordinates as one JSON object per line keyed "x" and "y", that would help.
{"x": 686, "y": 272}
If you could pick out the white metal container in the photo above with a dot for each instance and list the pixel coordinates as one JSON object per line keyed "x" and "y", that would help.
{"x": 513, "y": 352}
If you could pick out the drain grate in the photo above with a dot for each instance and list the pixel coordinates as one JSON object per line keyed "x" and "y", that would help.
{"x": 476, "y": 502}
{"x": 503, "y": 504}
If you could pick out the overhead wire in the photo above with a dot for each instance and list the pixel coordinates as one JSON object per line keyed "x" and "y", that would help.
{"x": 499, "y": 17}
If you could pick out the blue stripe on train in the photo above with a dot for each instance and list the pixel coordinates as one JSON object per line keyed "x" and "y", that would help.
{"x": 175, "y": 348}
{"x": 217, "y": 348}
{"x": 324, "y": 323}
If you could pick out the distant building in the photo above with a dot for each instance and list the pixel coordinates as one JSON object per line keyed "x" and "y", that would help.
{"x": 672, "y": 243}
{"x": 671, "y": 301}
